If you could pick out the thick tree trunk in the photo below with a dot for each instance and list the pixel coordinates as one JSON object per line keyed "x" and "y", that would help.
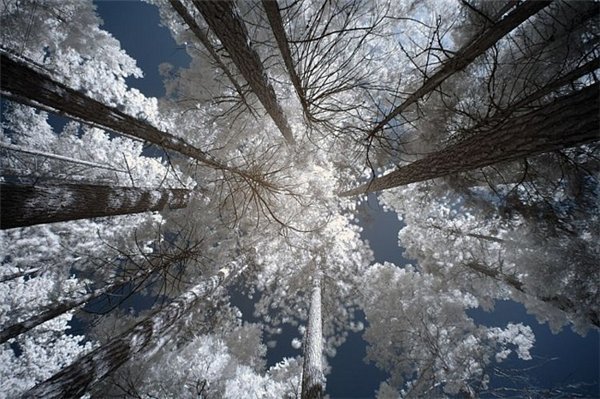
{"x": 272, "y": 11}
{"x": 203, "y": 38}
{"x": 28, "y": 205}
{"x": 466, "y": 55}
{"x": 20, "y": 82}
{"x": 74, "y": 380}
{"x": 231, "y": 31}
{"x": 567, "y": 122}
{"x": 313, "y": 379}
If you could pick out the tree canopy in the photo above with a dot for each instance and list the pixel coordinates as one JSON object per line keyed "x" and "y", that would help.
{"x": 134, "y": 228}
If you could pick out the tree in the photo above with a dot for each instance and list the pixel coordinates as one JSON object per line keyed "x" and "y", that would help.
{"x": 313, "y": 380}
{"x": 566, "y": 122}
{"x": 24, "y": 84}
{"x": 230, "y": 30}
{"x": 466, "y": 55}
{"x": 86, "y": 371}
{"x": 27, "y": 205}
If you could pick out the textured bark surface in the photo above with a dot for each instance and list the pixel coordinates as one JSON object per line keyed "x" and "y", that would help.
{"x": 74, "y": 380}
{"x": 466, "y": 55}
{"x": 274, "y": 16}
{"x": 20, "y": 82}
{"x": 232, "y": 33}
{"x": 567, "y": 122}
{"x": 203, "y": 38}
{"x": 558, "y": 301}
{"x": 21, "y": 327}
{"x": 313, "y": 379}
{"x": 28, "y": 205}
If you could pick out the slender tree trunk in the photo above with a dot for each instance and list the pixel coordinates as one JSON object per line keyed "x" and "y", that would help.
{"x": 567, "y": 122}
{"x": 272, "y": 11}
{"x": 466, "y": 55}
{"x": 558, "y": 301}
{"x": 313, "y": 379}
{"x": 20, "y": 82}
{"x": 203, "y": 38}
{"x": 56, "y": 310}
{"x": 24, "y": 273}
{"x": 231, "y": 31}
{"x": 74, "y": 380}
{"x": 28, "y": 205}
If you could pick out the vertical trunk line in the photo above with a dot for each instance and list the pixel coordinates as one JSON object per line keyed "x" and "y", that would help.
{"x": 313, "y": 379}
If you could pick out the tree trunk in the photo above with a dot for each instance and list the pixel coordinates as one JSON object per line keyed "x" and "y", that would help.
{"x": 558, "y": 301}
{"x": 231, "y": 31}
{"x": 466, "y": 55}
{"x": 20, "y": 82}
{"x": 56, "y": 310}
{"x": 272, "y": 11}
{"x": 74, "y": 380}
{"x": 567, "y": 122}
{"x": 313, "y": 379}
{"x": 28, "y": 205}
{"x": 203, "y": 38}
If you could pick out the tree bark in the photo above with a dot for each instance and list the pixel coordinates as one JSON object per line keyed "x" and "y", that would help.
{"x": 466, "y": 55}
{"x": 20, "y": 82}
{"x": 28, "y": 205}
{"x": 231, "y": 31}
{"x": 74, "y": 380}
{"x": 313, "y": 379}
{"x": 567, "y": 122}
{"x": 56, "y": 310}
{"x": 203, "y": 38}
{"x": 559, "y": 301}
{"x": 272, "y": 11}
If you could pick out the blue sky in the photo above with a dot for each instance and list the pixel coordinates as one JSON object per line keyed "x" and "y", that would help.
{"x": 575, "y": 359}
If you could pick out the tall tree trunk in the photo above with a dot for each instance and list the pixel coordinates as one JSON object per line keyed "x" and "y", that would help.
{"x": 272, "y": 11}
{"x": 20, "y": 82}
{"x": 28, "y": 205}
{"x": 203, "y": 38}
{"x": 74, "y": 380}
{"x": 466, "y": 55}
{"x": 558, "y": 301}
{"x": 231, "y": 31}
{"x": 567, "y": 122}
{"x": 55, "y": 310}
{"x": 313, "y": 379}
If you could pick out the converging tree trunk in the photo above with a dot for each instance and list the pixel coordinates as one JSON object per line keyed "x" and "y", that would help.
{"x": 274, "y": 16}
{"x": 20, "y": 82}
{"x": 467, "y": 54}
{"x": 559, "y": 301}
{"x": 28, "y": 205}
{"x": 203, "y": 38}
{"x": 569, "y": 121}
{"x": 313, "y": 379}
{"x": 232, "y": 33}
{"x": 53, "y": 311}
{"x": 76, "y": 379}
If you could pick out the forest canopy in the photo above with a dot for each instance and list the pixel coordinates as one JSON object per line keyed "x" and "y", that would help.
{"x": 134, "y": 228}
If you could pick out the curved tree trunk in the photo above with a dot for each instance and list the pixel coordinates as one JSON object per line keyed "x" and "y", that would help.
{"x": 231, "y": 31}
{"x": 76, "y": 379}
{"x": 466, "y": 55}
{"x": 313, "y": 379}
{"x": 28, "y": 205}
{"x": 567, "y": 122}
